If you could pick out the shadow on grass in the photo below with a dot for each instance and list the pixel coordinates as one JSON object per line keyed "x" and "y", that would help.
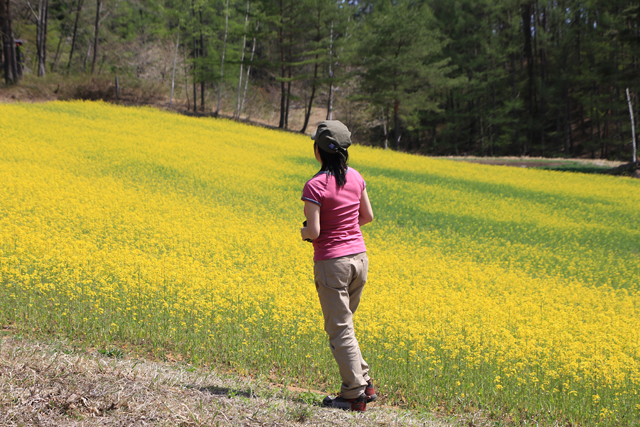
{"x": 225, "y": 391}
{"x": 308, "y": 398}
{"x": 576, "y": 168}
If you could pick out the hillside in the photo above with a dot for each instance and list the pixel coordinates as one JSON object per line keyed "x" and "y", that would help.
{"x": 472, "y": 78}
{"x": 510, "y": 291}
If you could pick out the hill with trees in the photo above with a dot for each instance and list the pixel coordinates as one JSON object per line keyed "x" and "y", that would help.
{"x": 461, "y": 77}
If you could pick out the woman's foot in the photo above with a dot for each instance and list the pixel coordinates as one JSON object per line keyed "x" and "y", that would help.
{"x": 370, "y": 392}
{"x": 359, "y": 404}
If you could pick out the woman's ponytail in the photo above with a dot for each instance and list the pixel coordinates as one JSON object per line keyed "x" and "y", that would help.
{"x": 336, "y": 164}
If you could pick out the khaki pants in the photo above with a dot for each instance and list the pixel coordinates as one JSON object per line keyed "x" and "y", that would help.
{"x": 339, "y": 283}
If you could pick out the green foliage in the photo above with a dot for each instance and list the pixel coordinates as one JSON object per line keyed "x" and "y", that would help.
{"x": 399, "y": 54}
{"x": 481, "y": 77}
{"x": 545, "y": 78}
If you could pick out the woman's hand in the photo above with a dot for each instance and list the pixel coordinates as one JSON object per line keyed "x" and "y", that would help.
{"x": 303, "y": 233}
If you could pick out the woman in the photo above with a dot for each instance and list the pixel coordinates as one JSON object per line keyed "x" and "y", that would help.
{"x": 336, "y": 205}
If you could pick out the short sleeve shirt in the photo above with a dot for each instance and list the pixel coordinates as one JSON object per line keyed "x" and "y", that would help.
{"x": 339, "y": 213}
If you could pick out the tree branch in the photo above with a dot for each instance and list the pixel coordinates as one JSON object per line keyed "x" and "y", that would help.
{"x": 33, "y": 11}
{"x": 109, "y": 12}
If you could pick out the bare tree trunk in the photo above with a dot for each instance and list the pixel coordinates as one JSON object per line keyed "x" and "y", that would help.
{"x": 600, "y": 141}
{"x": 288, "y": 101}
{"x": 63, "y": 36}
{"x": 42, "y": 68}
{"x": 96, "y": 35}
{"x": 8, "y": 43}
{"x": 283, "y": 67}
{"x": 514, "y": 95}
{"x": 246, "y": 80}
{"x": 195, "y": 75}
{"x": 186, "y": 79}
{"x": 41, "y": 36}
{"x": 396, "y": 122}
{"x": 528, "y": 54}
{"x": 15, "y": 67}
{"x": 86, "y": 57}
{"x": 482, "y": 148}
{"x": 75, "y": 33}
{"x": 99, "y": 4}
{"x": 566, "y": 126}
{"x": 224, "y": 49}
{"x": 289, "y": 74}
{"x": 173, "y": 74}
{"x": 633, "y": 128}
{"x": 236, "y": 113}
{"x": 330, "y": 98}
{"x": 315, "y": 78}
{"x": 313, "y": 93}
{"x": 385, "y": 129}
{"x": 591, "y": 116}
{"x": 194, "y": 54}
{"x": 543, "y": 76}
{"x": 289, "y": 67}
{"x": 201, "y": 54}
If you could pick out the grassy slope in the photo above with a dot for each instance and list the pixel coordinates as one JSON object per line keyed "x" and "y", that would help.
{"x": 453, "y": 246}
{"x": 77, "y": 386}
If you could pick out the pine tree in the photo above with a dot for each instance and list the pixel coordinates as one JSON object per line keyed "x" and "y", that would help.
{"x": 401, "y": 67}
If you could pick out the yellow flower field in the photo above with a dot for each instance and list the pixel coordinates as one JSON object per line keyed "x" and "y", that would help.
{"x": 490, "y": 288}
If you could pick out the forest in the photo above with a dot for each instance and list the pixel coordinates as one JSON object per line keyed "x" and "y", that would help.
{"x": 458, "y": 77}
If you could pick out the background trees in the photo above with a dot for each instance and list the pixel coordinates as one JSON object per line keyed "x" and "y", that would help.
{"x": 545, "y": 77}
{"x": 483, "y": 77}
{"x": 401, "y": 67}
{"x": 9, "y": 57}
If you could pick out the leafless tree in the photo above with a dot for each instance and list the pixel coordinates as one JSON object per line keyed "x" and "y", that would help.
{"x": 246, "y": 80}
{"x": 224, "y": 48}
{"x": 236, "y": 113}
{"x": 330, "y": 97}
{"x": 41, "y": 34}
{"x": 96, "y": 33}
{"x": 173, "y": 75}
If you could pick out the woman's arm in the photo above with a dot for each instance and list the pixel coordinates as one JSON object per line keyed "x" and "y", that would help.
{"x": 366, "y": 212}
{"x": 312, "y": 230}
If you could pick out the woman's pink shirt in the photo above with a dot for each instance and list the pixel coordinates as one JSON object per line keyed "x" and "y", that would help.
{"x": 339, "y": 212}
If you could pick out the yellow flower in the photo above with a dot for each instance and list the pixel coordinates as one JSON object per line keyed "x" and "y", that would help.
{"x": 513, "y": 278}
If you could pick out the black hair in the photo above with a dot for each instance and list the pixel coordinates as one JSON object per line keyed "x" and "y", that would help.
{"x": 335, "y": 163}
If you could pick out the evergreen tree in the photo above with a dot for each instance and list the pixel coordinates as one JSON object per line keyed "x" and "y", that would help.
{"x": 400, "y": 59}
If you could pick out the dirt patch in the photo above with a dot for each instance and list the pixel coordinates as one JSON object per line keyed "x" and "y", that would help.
{"x": 512, "y": 163}
{"x": 55, "y": 384}
{"x": 139, "y": 92}
{"x": 536, "y": 162}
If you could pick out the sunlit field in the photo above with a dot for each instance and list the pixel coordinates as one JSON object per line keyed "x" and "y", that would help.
{"x": 507, "y": 290}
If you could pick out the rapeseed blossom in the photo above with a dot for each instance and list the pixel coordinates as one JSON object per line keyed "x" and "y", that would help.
{"x": 487, "y": 285}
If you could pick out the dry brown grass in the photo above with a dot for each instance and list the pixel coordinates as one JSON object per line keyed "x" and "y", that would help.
{"x": 55, "y": 384}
